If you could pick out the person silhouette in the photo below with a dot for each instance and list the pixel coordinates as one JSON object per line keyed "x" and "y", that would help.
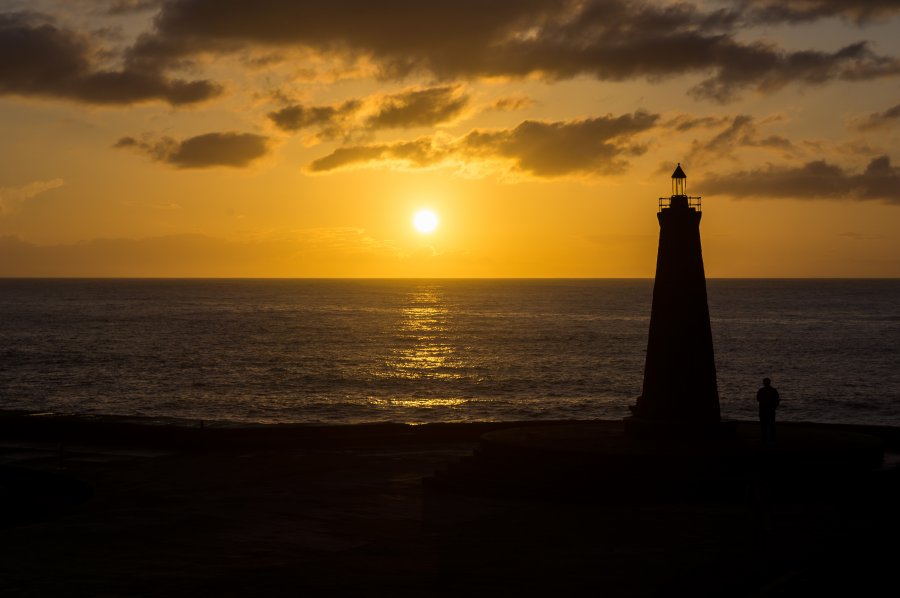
{"x": 768, "y": 400}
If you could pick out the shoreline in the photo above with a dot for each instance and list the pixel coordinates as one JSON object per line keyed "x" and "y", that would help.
{"x": 116, "y": 428}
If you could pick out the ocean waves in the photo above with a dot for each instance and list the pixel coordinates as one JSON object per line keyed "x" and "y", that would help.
{"x": 326, "y": 351}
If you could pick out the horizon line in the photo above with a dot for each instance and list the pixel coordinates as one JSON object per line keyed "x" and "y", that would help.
{"x": 361, "y": 278}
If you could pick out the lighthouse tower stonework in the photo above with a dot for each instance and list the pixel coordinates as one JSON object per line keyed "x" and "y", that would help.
{"x": 680, "y": 370}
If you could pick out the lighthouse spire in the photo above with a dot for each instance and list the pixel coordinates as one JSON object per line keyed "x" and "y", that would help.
{"x": 679, "y": 182}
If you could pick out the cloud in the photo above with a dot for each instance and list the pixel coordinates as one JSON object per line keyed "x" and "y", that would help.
{"x": 611, "y": 40}
{"x": 329, "y": 120}
{"x": 408, "y": 109}
{"x": 420, "y": 153}
{"x": 814, "y": 180}
{"x": 100, "y": 8}
{"x": 418, "y": 108}
{"x": 510, "y": 103}
{"x": 741, "y": 131}
{"x": 119, "y": 7}
{"x": 685, "y": 122}
{"x": 203, "y": 151}
{"x": 594, "y": 145}
{"x": 879, "y": 119}
{"x": 766, "y": 69}
{"x": 48, "y": 61}
{"x": 542, "y": 149}
{"x": 13, "y": 197}
{"x": 795, "y": 11}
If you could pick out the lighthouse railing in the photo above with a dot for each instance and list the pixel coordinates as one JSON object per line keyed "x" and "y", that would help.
{"x": 693, "y": 202}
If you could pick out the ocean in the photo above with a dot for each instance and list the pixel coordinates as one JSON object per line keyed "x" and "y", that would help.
{"x": 417, "y": 351}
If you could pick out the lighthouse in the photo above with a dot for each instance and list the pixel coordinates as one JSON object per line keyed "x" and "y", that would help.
{"x": 680, "y": 370}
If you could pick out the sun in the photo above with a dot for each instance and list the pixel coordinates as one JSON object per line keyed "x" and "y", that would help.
{"x": 425, "y": 221}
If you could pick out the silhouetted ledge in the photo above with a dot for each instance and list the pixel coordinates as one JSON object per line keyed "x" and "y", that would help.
{"x": 175, "y": 433}
{"x": 603, "y": 461}
{"x": 688, "y": 431}
{"x": 606, "y": 440}
{"x": 106, "y": 506}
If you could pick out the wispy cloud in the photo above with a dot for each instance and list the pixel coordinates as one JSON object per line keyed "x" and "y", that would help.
{"x": 741, "y": 131}
{"x": 510, "y": 103}
{"x": 11, "y": 198}
{"x": 307, "y": 252}
{"x": 796, "y": 11}
{"x": 117, "y": 7}
{"x": 879, "y": 119}
{"x": 407, "y": 109}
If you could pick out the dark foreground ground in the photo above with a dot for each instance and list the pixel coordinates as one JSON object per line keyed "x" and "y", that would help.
{"x": 116, "y": 508}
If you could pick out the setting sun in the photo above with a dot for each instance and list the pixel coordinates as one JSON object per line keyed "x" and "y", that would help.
{"x": 425, "y": 221}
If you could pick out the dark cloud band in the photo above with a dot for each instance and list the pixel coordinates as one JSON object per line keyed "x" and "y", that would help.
{"x": 814, "y": 180}
{"x": 41, "y": 59}
{"x": 609, "y": 39}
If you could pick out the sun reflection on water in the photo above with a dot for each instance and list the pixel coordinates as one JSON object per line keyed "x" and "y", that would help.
{"x": 424, "y": 356}
{"x": 425, "y": 350}
{"x": 423, "y": 403}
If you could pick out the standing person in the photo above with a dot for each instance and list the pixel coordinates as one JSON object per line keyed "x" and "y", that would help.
{"x": 768, "y": 400}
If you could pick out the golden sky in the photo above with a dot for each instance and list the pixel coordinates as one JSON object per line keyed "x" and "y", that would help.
{"x": 284, "y": 138}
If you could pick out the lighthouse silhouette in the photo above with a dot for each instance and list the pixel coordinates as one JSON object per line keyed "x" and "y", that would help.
{"x": 680, "y": 370}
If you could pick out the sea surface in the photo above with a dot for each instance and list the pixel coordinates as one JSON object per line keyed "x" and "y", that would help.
{"x": 353, "y": 351}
